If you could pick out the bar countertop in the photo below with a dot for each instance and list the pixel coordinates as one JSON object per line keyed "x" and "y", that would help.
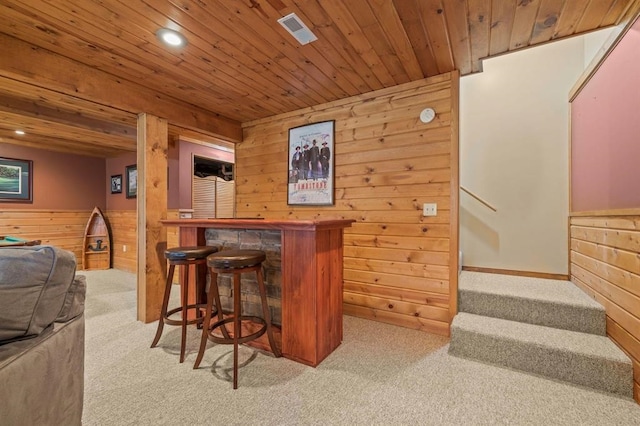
{"x": 257, "y": 223}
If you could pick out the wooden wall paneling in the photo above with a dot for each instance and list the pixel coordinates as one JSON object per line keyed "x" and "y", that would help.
{"x": 124, "y": 243}
{"x": 399, "y": 267}
{"x": 605, "y": 263}
{"x": 60, "y": 228}
{"x": 454, "y": 238}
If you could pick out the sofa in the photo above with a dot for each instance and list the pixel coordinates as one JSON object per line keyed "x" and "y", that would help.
{"x": 41, "y": 337}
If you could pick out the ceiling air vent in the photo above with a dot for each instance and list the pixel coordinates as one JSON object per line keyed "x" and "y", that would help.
{"x": 297, "y": 28}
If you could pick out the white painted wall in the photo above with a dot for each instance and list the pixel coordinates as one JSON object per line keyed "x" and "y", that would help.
{"x": 514, "y": 139}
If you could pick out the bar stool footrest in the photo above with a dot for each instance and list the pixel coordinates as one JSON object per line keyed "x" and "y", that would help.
{"x": 197, "y": 320}
{"x": 243, "y": 339}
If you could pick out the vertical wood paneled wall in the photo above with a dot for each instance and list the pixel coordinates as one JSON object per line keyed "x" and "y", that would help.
{"x": 123, "y": 225}
{"x": 400, "y": 267}
{"x": 60, "y": 228}
{"x": 605, "y": 262}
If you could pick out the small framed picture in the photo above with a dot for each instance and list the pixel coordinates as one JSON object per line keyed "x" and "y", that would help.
{"x": 131, "y": 175}
{"x": 16, "y": 180}
{"x": 116, "y": 184}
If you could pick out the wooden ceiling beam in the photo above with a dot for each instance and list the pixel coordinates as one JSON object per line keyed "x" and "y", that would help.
{"x": 56, "y": 100}
{"x": 52, "y": 129}
{"x": 31, "y": 109}
{"x": 30, "y": 64}
{"x": 49, "y": 143}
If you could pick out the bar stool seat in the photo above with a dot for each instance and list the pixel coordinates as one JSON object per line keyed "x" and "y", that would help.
{"x": 184, "y": 257}
{"x": 236, "y": 262}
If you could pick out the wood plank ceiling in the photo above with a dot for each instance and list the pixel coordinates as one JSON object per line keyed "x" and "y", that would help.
{"x": 240, "y": 64}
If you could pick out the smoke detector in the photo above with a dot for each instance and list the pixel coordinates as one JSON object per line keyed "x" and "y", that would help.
{"x": 297, "y": 28}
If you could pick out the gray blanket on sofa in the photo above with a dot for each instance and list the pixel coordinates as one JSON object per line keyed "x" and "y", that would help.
{"x": 41, "y": 337}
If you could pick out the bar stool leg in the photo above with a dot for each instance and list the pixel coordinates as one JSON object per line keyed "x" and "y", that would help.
{"x": 201, "y": 288}
{"x": 237, "y": 332}
{"x": 185, "y": 300}
{"x": 267, "y": 313}
{"x": 213, "y": 288}
{"x": 216, "y": 298}
{"x": 165, "y": 304}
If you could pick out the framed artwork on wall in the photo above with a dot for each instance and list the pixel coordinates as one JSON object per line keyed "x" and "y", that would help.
{"x": 131, "y": 175}
{"x": 116, "y": 184}
{"x": 16, "y": 180}
{"x": 311, "y": 178}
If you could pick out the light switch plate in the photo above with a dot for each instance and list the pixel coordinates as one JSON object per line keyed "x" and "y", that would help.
{"x": 429, "y": 209}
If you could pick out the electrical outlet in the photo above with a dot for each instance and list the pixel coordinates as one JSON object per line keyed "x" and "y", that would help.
{"x": 124, "y": 248}
{"x": 429, "y": 209}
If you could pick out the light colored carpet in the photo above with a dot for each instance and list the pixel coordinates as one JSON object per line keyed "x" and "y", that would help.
{"x": 551, "y": 303}
{"x": 381, "y": 374}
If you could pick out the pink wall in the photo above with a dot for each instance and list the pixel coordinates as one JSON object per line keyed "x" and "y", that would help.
{"x": 60, "y": 181}
{"x": 605, "y": 132}
{"x": 187, "y": 151}
{"x": 116, "y": 166}
{"x": 180, "y": 169}
{"x": 69, "y": 182}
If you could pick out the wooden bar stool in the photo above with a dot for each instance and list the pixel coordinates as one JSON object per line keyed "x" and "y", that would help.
{"x": 184, "y": 257}
{"x": 236, "y": 262}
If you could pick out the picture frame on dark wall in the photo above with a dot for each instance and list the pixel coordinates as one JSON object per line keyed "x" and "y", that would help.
{"x": 131, "y": 178}
{"x": 116, "y": 184}
{"x": 311, "y": 177}
{"x": 16, "y": 180}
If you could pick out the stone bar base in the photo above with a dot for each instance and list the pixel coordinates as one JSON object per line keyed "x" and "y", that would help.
{"x": 265, "y": 240}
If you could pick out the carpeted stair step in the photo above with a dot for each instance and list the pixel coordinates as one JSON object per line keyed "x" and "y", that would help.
{"x": 551, "y": 303}
{"x": 580, "y": 358}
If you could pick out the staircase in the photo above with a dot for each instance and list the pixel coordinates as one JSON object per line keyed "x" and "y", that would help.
{"x": 545, "y": 327}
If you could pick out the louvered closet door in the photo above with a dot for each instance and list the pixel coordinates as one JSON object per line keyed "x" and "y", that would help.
{"x": 225, "y": 198}
{"x": 204, "y": 197}
{"x": 213, "y": 197}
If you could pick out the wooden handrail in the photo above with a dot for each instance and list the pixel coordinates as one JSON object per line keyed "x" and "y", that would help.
{"x": 478, "y": 198}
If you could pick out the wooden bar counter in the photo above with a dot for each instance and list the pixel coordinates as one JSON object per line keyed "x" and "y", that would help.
{"x": 311, "y": 289}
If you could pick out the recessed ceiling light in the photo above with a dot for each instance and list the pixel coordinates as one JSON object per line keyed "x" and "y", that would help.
{"x": 171, "y": 38}
{"x": 20, "y": 132}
